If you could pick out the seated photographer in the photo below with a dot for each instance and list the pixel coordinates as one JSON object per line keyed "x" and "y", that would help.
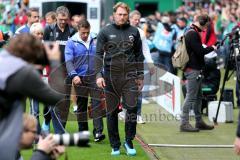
{"x": 19, "y": 79}
{"x": 46, "y": 148}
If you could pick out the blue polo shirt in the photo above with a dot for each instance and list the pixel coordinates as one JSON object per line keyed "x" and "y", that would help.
{"x": 23, "y": 29}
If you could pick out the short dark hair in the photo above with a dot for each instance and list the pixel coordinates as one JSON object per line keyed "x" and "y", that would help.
{"x": 83, "y": 24}
{"x": 30, "y": 10}
{"x": 203, "y": 19}
{"x": 183, "y": 19}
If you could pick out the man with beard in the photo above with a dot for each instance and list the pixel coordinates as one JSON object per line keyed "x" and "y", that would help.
{"x": 120, "y": 54}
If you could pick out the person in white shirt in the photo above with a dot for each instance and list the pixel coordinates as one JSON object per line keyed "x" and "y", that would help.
{"x": 134, "y": 18}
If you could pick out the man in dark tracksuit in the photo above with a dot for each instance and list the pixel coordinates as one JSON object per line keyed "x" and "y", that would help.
{"x": 61, "y": 32}
{"x": 123, "y": 74}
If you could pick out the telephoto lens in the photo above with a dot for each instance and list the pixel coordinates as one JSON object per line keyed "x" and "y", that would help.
{"x": 80, "y": 139}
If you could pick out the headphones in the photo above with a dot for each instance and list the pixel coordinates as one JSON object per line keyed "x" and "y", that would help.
{"x": 203, "y": 19}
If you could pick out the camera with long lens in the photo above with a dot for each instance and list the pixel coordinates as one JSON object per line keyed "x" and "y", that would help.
{"x": 80, "y": 139}
{"x": 228, "y": 53}
{"x": 234, "y": 57}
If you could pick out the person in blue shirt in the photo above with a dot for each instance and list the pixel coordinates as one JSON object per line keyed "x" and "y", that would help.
{"x": 79, "y": 57}
{"x": 33, "y": 17}
{"x": 163, "y": 41}
{"x": 179, "y": 28}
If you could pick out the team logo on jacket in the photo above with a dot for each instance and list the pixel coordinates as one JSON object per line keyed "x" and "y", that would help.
{"x": 131, "y": 38}
{"x": 111, "y": 36}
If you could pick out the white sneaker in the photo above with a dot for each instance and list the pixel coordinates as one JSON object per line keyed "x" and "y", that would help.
{"x": 140, "y": 120}
{"x": 144, "y": 101}
{"x": 121, "y": 115}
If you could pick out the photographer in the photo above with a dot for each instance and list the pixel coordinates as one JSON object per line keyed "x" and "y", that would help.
{"x": 19, "y": 79}
{"x": 46, "y": 148}
{"x": 193, "y": 72}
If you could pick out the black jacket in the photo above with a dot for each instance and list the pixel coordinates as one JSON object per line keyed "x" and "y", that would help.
{"x": 53, "y": 33}
{"x": 122, "y": 46}
{"x": 195, "y": 49}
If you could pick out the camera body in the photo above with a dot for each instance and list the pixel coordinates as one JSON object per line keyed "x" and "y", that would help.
{"x": 43, "y": 59}
{"x": 228, "y": 53}
{"x": 234, "y": 47}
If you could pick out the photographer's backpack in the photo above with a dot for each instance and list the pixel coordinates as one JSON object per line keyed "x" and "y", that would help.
{"x": 180, "y": 57}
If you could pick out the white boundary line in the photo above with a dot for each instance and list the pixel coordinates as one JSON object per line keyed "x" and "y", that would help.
{"x": 191, "y": 146}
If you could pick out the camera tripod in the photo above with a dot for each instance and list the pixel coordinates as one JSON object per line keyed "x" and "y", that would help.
{"x": 233, "y": 57}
